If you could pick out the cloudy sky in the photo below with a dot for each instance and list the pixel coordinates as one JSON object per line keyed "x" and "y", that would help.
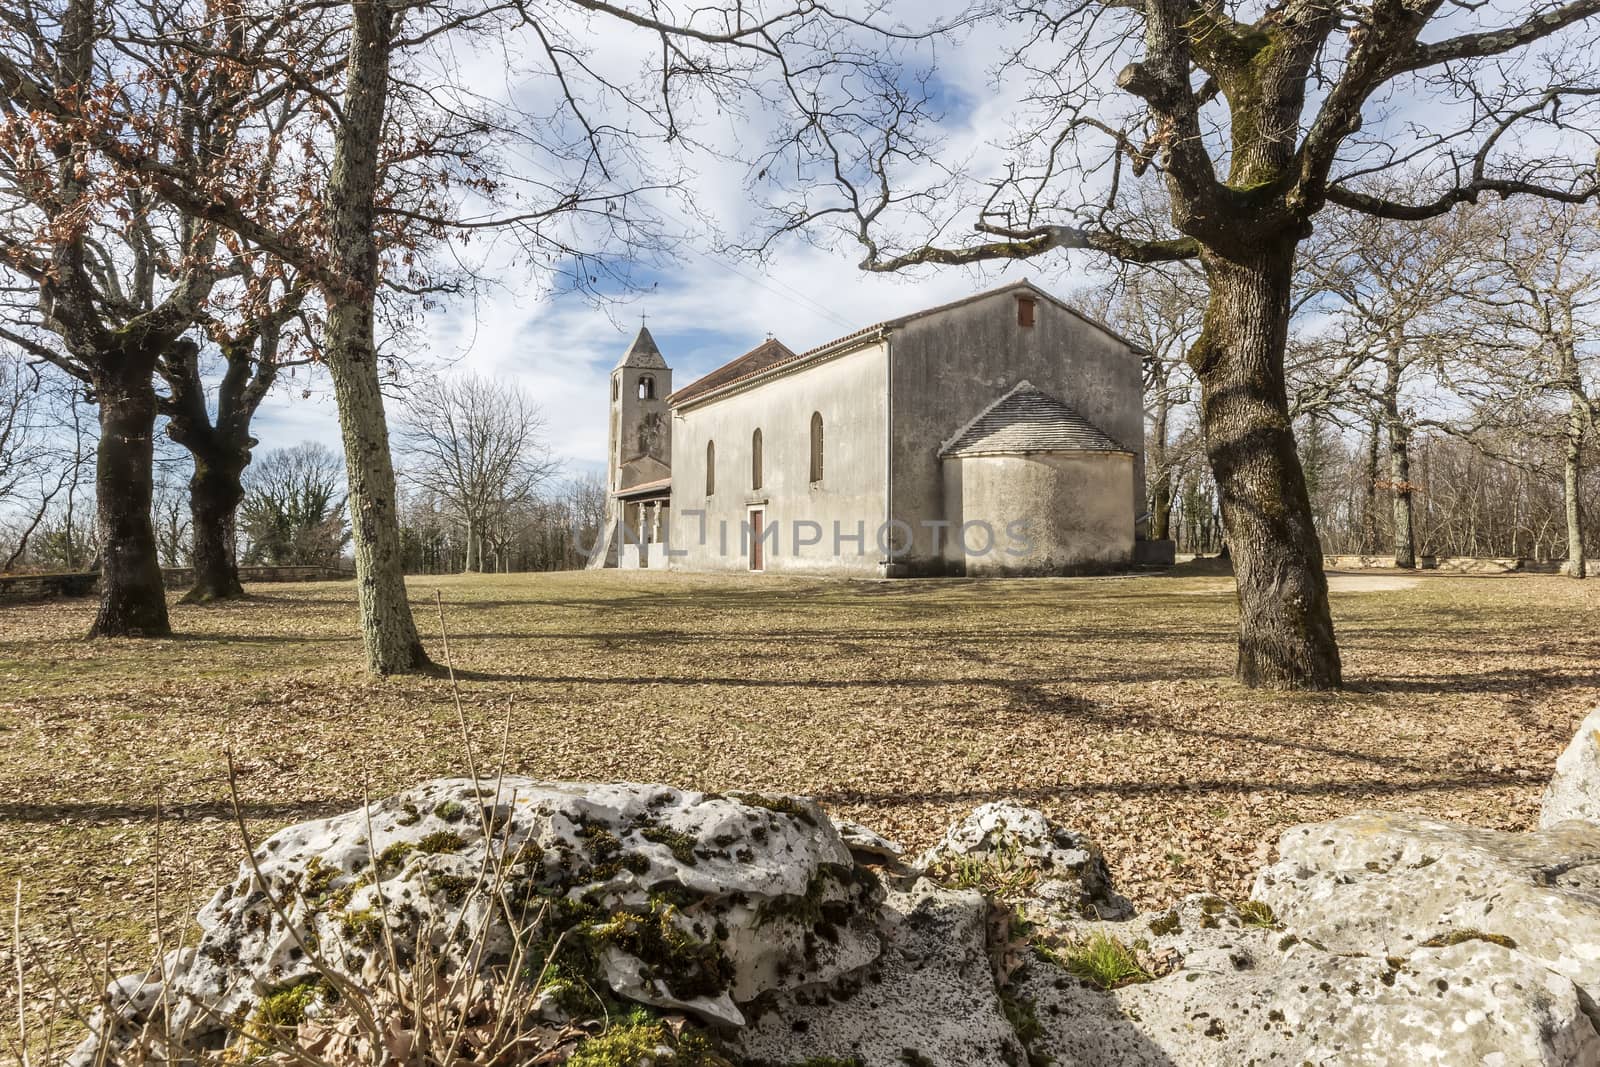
{"x": 710, "y": 309}
{"x": 703, "y": 307}
{"x": 706, "y": 307}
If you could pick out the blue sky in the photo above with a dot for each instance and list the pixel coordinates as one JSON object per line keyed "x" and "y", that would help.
{"x": 705, "y": 308}
{"x": 562, "y": 347}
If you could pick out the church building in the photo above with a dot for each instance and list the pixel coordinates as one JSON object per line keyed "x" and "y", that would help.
{"x": 1001, "y": 434}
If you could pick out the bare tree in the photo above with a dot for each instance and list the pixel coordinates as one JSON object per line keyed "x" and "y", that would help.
{"x": 252, "y": 350}
{"x": 1396, "y": 298}
{"x": 110, "y": 277}
{"x": 23, "y": 446}
{"x": 1255, "y": 116}
{"x": 170, "y": 511}
{"x": 1161, "y": 310}
{"x": 479, "y": 446}
{"x": 294, "y": 507}
{"x": 1535, "y": 353}
{"x": 48, "y": 454}
{"x": 402, "y": 154}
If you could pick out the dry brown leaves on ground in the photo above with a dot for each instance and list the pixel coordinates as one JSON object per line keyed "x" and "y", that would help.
{"x": 1105, "y": 702}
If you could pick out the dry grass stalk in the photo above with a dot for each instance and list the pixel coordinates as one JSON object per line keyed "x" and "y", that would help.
{"x": 406, "y": 1008}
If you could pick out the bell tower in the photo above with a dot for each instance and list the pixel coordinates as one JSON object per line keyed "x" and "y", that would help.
{"x": 641, "y": 426}
{"x": 638, "y": 458}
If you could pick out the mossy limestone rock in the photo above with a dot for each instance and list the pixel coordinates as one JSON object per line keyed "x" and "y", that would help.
{"x": 675, "y": 899}
{"x": 1019, "y": 854}
{"x": 929, "y": 1001}
{"x": 1574, "y": 790}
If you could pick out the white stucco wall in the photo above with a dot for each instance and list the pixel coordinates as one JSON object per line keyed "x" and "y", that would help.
{"x": 850, "y": 392}
{"x": 948, "y": 367}
{"x": 1077, "y": 511}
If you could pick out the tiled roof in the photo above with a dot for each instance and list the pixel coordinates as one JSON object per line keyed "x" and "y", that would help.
{"x": 768, "y": 353}
{"x": 646, "y": 488}
{"x": 1028, "y": 420}
{"x": 643, "y": 353}
{"x": 739, "y": 369}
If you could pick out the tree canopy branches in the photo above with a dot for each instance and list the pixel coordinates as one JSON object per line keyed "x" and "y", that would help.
{"x": 1252, "y": 116}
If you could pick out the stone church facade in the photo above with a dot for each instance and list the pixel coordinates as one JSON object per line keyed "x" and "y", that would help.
{"x": 1000, "y": 434}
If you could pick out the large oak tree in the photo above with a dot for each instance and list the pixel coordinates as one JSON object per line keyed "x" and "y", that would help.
{"x": 410, "y": 154}
{"x": 1255, "y": 117}
{"x": 212, "y": 419}
{"x": 112, "y": 279}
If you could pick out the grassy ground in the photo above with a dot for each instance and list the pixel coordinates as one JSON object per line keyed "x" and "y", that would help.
{"x": 901, "y": 705}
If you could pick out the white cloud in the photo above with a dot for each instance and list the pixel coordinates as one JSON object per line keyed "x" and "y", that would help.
{"x": 705, "y": 308}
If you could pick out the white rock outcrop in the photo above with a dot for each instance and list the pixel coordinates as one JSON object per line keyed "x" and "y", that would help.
{"x": 1574, "y": 790}
{"x": 1243, "y": 991}
{"x": 686, "y": 901}
{"x": 1386, "y": 884}
{"x": 1065, "y": 874}
{"x": 1374, "y": 939}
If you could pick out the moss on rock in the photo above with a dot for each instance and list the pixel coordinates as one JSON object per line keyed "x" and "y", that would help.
{"x": 441, "y": 841}
{"x": 1457, "y": 937}
{"x": 287, "y": 1007}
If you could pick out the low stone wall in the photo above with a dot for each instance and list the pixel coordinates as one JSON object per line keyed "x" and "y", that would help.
{"x": 44, "y": 586}
{"x": 1160, "y": 553}
{"x": 86, "y": 583}
{"x": 1352, "y": 563}
{"x": 182, "y": 576}
{"x": 1452, "y": 564}
{"x": 1475, "y": 565}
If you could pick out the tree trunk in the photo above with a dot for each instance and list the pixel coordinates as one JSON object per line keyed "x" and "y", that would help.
{"x": 1161, "y": 515}
{"x": 1405, "y": 545}
{"x": 1285, "y": 629}
{"x": 1369, "y": 499}
{"x": 1577, "y": 562}
{"x": 1161, "y": 496}
{"x": 387, "y": 628}
{"x": 133, "y": 602}
{"x": 215, "y": 492}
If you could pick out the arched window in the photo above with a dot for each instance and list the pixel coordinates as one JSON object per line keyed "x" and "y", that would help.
{"x": 647, "y": 388}
{"x": 755, "y": 460}
{"x": 616, "y": 385}
{"x": 711, "y": 467}
{"x": 816, "y": 446}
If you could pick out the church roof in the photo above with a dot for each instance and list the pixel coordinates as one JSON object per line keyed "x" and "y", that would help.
{"x": 643, "y": 353}
{"x": 659, "y": 487}
{"x": 1029, "y": 420}
{"x": 768, "y": 353}
{"x": 745, "y": 367}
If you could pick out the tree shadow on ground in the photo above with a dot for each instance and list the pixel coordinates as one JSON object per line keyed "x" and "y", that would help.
{"x": 1342, "y": 787}
{"x": 1495, "y": 680}
{"x": 195, "y": 811}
